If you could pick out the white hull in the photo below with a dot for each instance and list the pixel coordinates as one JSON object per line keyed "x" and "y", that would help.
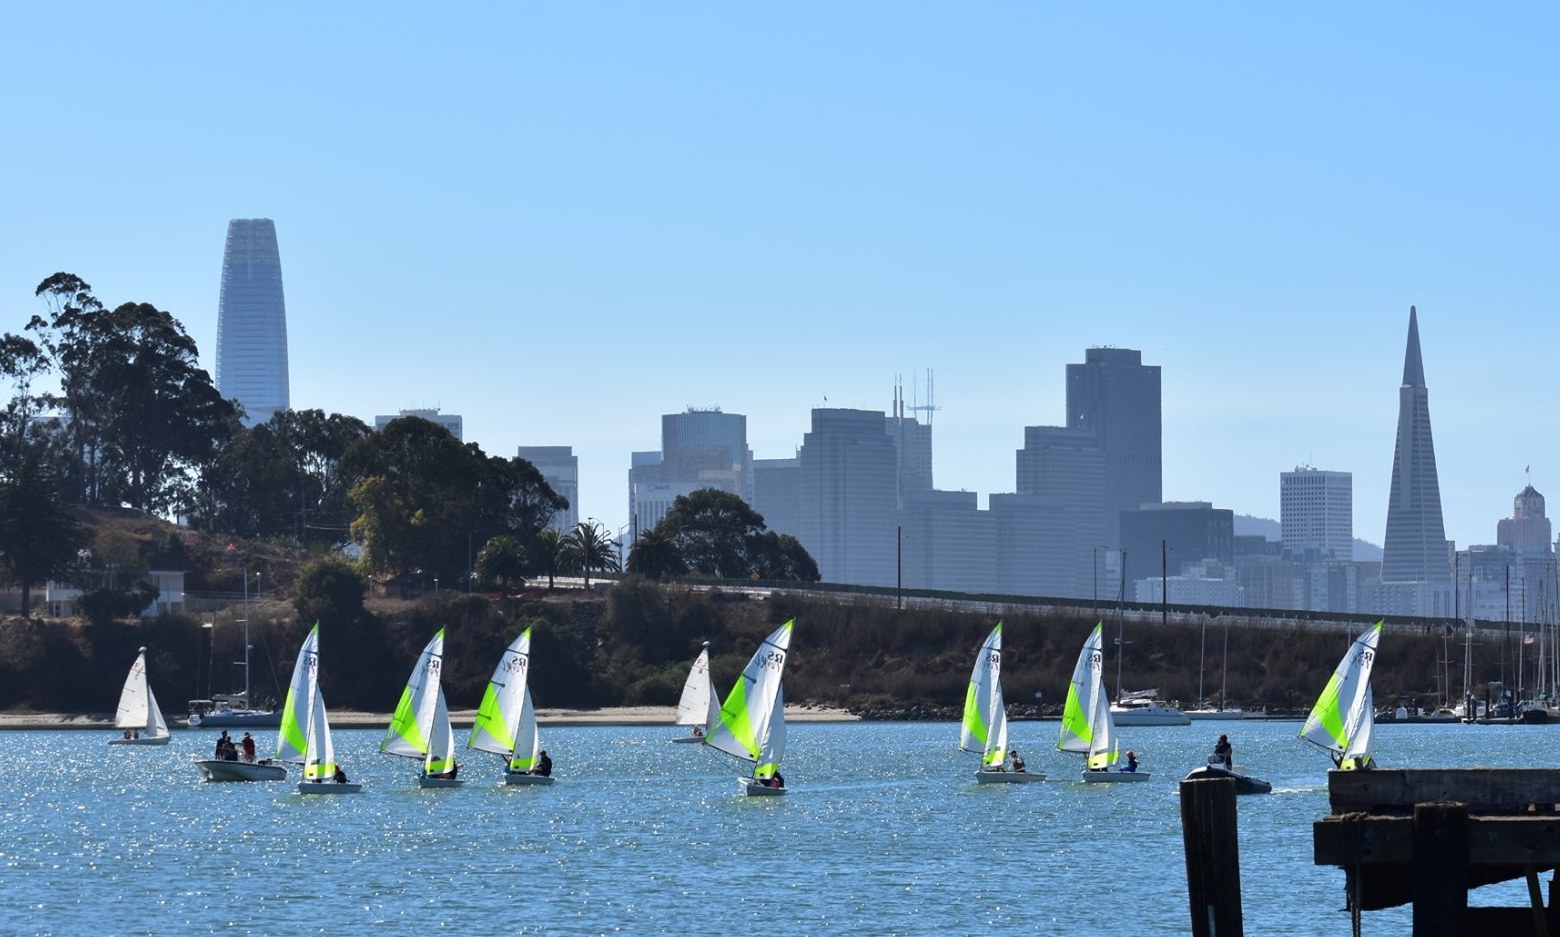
{"x": 163, "y": 740}
{"x": 215, "y": 770}
{"x": 329, "y": 787}
{"x": 1008, "y": 777}
{"x": 751, "y": 788}
{"x": 523, "y": 779}
{"x": 688, "y": 740}
{"x": 427, "y": 783}
{"x": 236, "y": 718}
{"x": 1150, "y": 714}
{"x": 1200, "y": 715}
{"x": 1114, "y": 777}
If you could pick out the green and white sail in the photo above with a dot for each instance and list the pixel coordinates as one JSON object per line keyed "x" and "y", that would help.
{"x": 138, "y": 709}
{"x": 1343, "y": 719}
{"x": 292, "y": 739}
{"x": 698, "y": 706}
{"x": 441, "y": 739}
{"x": 415, "y": 723}
{"x": 506, "y": 722}
{"x": 751, "y": 722}
{"x": 1087, "y": 726}
{"x": 984, "y": 729}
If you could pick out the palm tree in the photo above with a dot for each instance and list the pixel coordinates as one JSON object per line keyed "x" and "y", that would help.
{"x": 655, "y": 555}
{"x": 548, "y": 554}
{"x": 502, "y": 561}
{"x": 590, "y": 546}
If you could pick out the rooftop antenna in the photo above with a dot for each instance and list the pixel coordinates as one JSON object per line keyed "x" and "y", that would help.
{"x": 929, "y": 407}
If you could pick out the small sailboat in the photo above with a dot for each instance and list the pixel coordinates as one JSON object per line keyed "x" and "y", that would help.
{"x": 139, "y": 719}
{"x": 1343, "y": 719}
{"x": 304, "y": 737}
{"x": 751, "y": 723}
{"x": 984, "y": 730}
{"x": 1087, "y": 726}
{"x": 506, "y": 722}
{"x": 698, "y": 706}
{"x": 420, "y": 728}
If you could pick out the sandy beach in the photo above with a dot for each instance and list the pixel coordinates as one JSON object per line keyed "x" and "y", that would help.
{"x": 615, "y": 716}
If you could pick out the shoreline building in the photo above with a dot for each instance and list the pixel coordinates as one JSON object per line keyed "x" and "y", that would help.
{"x": 252, "y": 321}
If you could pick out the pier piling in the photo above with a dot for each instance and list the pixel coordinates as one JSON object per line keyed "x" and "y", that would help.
{"x": 1212, "y": 857}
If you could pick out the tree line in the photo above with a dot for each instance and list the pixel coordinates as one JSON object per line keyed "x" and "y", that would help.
{"x": 110, "y": 407}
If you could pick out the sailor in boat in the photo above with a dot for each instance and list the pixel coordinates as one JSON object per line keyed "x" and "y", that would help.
{"x": 1353, "y": 763}
{"x": 543, "y": 765}
{"x": 698, "y": 732}
{"x": 1131, "y": 761}
{"x": 1018, "y": 761}
{"x": 341, "y": 775}
{"x": 774, "y": 780}
{"x": 1223, "y": 753}
{"x": 248, "y": 744}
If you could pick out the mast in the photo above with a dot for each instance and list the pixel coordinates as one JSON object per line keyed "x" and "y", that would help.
{"x": 246, "y": 631}
{"x": 1121, "y": 646}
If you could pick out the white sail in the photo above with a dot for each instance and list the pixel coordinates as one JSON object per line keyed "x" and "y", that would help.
{"x": 319, "y": 762}
{"x": 138, "y": 711}
{"x": 506, "y": 722}
{"x": 984, "y": 729}
{"x": 1087, "y": 726}
{"x": 1342, "y": 719}
{"x": 412, "y": 724}
{"x": 698, "y": 705}
{"x": 292, "y": 739}
{"x": 441, "y": 739}
{"x": 751, "y": 722}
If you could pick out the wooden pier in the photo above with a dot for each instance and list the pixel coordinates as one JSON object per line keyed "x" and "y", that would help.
{"x": 1428, "y": 836}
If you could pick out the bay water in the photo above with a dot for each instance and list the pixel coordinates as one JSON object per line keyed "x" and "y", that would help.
{"x": 883, "y": 832}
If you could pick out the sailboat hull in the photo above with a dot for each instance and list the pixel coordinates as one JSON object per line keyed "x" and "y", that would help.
{"x": 427, "y": 783}
{"x": 751, "y": 788}
{"x": 1114, "y": 777}
{"x": 164, "y": 740}
{"x": 688, "y": 740}
{"x": 1008, "y": 777}
{"x": 520, "y": 778}
{"x": 216, "y": 770}
{"x": 329, "y": 787}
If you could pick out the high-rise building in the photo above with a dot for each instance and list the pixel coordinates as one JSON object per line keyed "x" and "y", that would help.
{"x": 560, "y": 468}
{"x": 1161, "y": 539}
{"x": 777, "y": 493}
{"x": 1527, "y": 529}
{"x": 947, "y": 542}
{"x": 849, "y": 497}
{"x": 1415, "y": 549}
{"x": 252, "y": 321}
{"x": 450, "y": 421}
{"x": 1316, "y": 512}
{"x": 1117, "y": 397}
{"x": 1066, "y": 467}
{"x": 708, "y": 448}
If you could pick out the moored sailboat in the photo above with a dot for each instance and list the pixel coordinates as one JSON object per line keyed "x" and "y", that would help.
{"x": 751, "y": 722}
{"x": 1087, "y": 726}
{"x": 138, "y": 718}
{"x": 420, "y": 728}
{"x": 984, "y": 729}
{"x": 698, "y": 706}
{"x": 506, "y": 721}
{"x": 1343, "y": 719}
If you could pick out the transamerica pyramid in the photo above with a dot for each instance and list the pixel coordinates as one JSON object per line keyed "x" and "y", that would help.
{"x": 1415, "y": 548}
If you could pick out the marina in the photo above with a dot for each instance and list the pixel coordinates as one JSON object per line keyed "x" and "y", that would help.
{"x": 884, "y": 831}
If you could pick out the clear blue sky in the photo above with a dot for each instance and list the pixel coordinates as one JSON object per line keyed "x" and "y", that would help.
{"x": 563, "y": 222}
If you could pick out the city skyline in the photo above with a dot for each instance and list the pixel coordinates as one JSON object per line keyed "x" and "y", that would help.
{"x": 645, "y": 211}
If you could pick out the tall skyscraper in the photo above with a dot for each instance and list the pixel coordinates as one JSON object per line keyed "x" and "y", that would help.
{"x": 1316, "y": 512}
{"x": 252, "y": 321}
{"x": 1415, "y": 549}
{"x": 1116, "y": 396}
{"x": 1527, "y": 529}
{"x": 849, "y": 495}
{"x": 560, "y": 467}
{"x": 709, "y": 448}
